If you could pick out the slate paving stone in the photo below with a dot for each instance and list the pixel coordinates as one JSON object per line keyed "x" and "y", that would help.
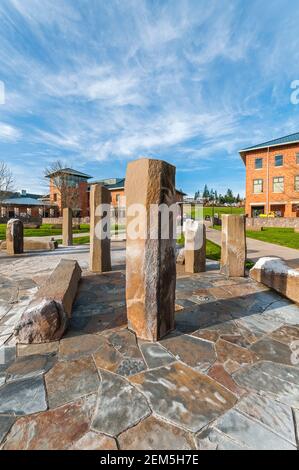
{"x": 211, "y": 439}
{"x": 195, "y": 352}
{"x": 74, "y": 347}
{"x": 29, "y": 366}
{"x": 260, "y": 324}
{"x": 277, "y": 381}
{"x": 23, "y": 397}
{"x": 184, "y": 396}
{"x": 6, "y": 422}
{"x": 155, "y": 355}
{"x": 68, "y": 381}
{"x": 56, "y": 429}
{"x": 275, "y": 416}
{"x": 33, "y": 349}
{"x": 94, "y": 441}
{"x": 250, "y": 433}
{"x": 229, "y": 353}
{"x": 218, "y": 373}
{"x": 269, "y": 349}
{"x": 286, "y": 334}
{"x": 120, "y": 405}
{"x": 154, "y": 434}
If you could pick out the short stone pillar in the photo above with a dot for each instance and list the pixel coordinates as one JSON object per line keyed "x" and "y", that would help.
{"x": 233, "y": 246}
{"x": 14, "y": 237}
{"x": 100, "y": 207}
{"x": 195, "y": 247}
{"x": 67, "y": 227}
{"x": 151, "y": 256}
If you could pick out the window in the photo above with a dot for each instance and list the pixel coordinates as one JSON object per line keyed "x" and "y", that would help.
{"x": 55, "y": 197}
{"x": 278, "y": 184}
{"x": 297, "y": 183}
{"x": 279, "y": 160}
{"x": 257, "y": 186}
{"x": 297, "y": 158}
{"x": 258, "y": 163}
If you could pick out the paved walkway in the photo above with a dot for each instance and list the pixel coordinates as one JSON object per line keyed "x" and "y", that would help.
{"x": 256, "y": 249}
{"x": 227, "y": 378}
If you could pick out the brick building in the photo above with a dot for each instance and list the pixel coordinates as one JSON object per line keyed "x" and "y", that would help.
{"x": 272, "y": 177}
{"x": 25, "y": 206}
{"x": 76, "y": 187}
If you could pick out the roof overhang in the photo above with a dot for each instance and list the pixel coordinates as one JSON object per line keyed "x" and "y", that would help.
{"x": 244, "y": 152}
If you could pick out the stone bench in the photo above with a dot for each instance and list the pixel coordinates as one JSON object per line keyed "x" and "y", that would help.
{"x": 47, "y": 317}
{"x": 34, "y": 245}
{"x": 274, "y": 273}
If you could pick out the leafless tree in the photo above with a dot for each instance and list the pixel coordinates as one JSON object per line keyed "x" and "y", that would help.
{"x": 6, "y": 181}
{"x": 68, "y": 193}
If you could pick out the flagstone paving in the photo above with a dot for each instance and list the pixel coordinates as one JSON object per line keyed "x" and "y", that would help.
{"x": 226, "y": 378}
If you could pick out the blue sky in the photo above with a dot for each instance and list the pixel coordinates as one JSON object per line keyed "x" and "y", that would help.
{"x": 97, "y": 83}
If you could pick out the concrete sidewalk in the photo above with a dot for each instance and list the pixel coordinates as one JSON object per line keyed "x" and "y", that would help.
{"x": 257, "y": 249}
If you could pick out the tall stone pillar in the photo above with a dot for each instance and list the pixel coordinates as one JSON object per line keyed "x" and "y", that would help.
{"x": 233, "y": 246}
{"x": 150, "y": 257}
{"x": 100, "y": 207}
{"x": 67, "y": 227}
{"x": 14, "y": 237}
{"x": 195, "y": 247}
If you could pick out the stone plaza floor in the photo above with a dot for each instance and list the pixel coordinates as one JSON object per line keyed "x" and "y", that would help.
{"x": 226, "y": 378}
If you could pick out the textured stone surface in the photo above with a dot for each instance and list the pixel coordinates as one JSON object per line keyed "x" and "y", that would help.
{"x": 150, "y": 262}
{"x": 218, "y": 373}
{"x": 53, "y": 430}
{"x": 228, "y": 353}
{"x": 286, "y": 334}
{"x": 269, "y": 349}
{"x": 47, "y": 316}
{"x": 233, "y": 245}
{"x": 32, "y": 349}
{"x": 14, "y": 237}
{"x": 195, "y": 352}
{"x": 154, "y": 434}
{"x": 23, "y": 397}
{"x": 100, "y": 257}
{"x": 275, "y": 416}
{"x": 211, "y": 439}
{"x": 155, "y": 355}
{"x": 119, "y": 353}
{"x": 120, "y": 405}
{"x": 67, "y": 227}
{"x": 279, "y": 382}
{"x": 29, "y": 366}
{"x": 77, "y": 346}
{"x": 184, "y": 396}
{"x": 195, "y": 247}
{"x": 6, "y": 422}
{"x": 31, "y": 244}
{"x": 274, "y": 273}
{"x": 251, "y": 433}
{"x": 94, "y": 441}
{"x": 68, "y": 381}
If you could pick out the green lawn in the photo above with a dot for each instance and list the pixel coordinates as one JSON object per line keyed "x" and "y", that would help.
{"x": 44, "y": 230}
{"x": 280, "y": 236}
{"x": 204, "y": 211}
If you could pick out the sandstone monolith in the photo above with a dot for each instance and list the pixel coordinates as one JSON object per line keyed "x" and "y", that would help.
{"x": 100, "y": 249}
{"x": 195, "y": 247}
{"x": 233, "y": 246}
{"x": 14, "y": 237}
{"x": 67, "y": 227}
{"x": 150, "y": 250}
{"x": 49, "y": 313}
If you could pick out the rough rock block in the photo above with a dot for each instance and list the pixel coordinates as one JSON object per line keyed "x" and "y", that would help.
{"x": 195, "y": 247}
{"x": 180, "y": 258}
{"x": 67, "y": 227}
{"x": 34, "y": 245}
{"x": 150, "y": 258}
{"x": 47, "y": 317}
{"x": 274, "y": 273}
{"x": 14, "y": 237}
{"x": 233, "y": 246}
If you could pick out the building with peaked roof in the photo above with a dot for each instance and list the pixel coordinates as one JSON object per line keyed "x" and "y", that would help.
{"x": 25, "y": 205}
{"x": 76, "y": 187}
{"x": 272, "y": 177}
